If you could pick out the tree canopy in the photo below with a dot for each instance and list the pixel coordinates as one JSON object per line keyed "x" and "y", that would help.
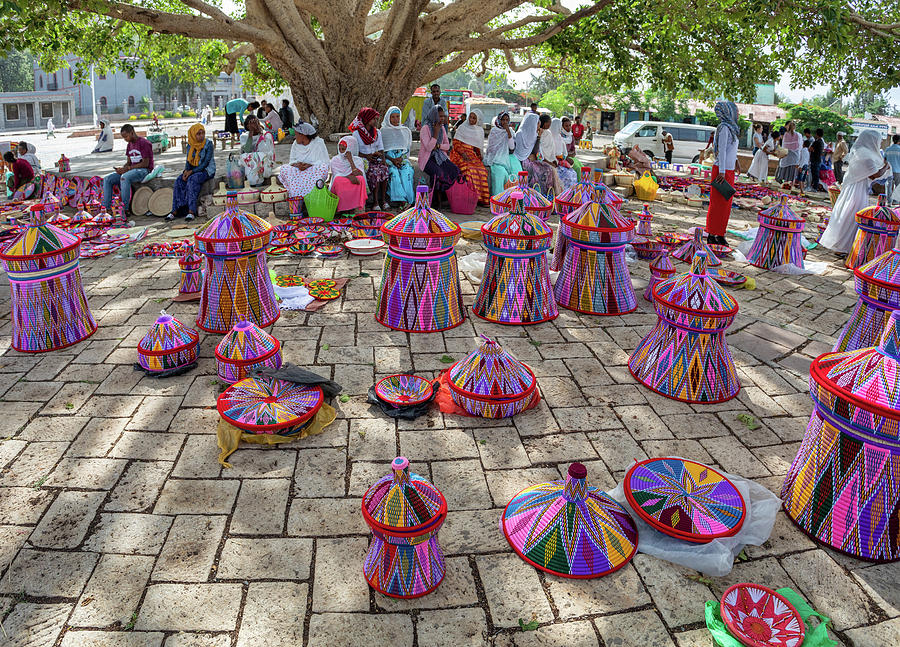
{"x": 805, "y": 115}
{"x": 337, "y": 56}
{"x": 17, "y": 72}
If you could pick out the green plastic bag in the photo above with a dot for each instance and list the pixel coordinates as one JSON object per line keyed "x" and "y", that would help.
{"x": 815, "y": 636}
{"x": 320, "y": 202}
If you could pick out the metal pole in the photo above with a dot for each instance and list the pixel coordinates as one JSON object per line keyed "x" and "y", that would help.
{"x": 93, "y": 100}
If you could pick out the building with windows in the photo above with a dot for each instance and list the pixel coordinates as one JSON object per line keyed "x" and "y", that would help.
{"x": 21, "y": 110}
{"x": 118, "y": 92}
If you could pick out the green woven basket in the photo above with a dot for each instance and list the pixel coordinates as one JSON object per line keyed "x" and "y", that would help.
{"x": 320, "y": 202}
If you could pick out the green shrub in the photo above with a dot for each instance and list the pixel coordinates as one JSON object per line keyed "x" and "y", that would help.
{"x": 177, "y": 115}
{"x": 144, "y": 116}
{"x": 168, "y": 114}
{"x": 190, "y": 113}
{"x": 219, "y": 112}
{"x": 132, "y": 118}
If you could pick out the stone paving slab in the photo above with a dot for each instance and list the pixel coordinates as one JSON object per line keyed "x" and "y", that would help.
{"x": 119, "y": 528}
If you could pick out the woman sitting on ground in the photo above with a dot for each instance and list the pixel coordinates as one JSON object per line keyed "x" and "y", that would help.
{"x": 308, "y": 163}
{"x": 20, "y": 182}
{"x": 371, "y": 149}
{"x": 198, "y": 168}
{"x": 435, "y": 142}
{"x": 257, "y": 152}
{"x": 104, "y": 138}
{"x": 397, "y": 140}
{"x": 567, "y": 175}
{"x": 505, "y": 166}
{"x": 569, "y": 140}
{"x": 349, "y": 179}
{"x": 466, "y": 154}
{"x": 27, "y": 152}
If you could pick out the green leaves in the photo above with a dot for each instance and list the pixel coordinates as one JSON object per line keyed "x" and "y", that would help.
{"x": 446, "y": 359}
{"x": 749, "y": 421}
{"x": 529, "y": 626}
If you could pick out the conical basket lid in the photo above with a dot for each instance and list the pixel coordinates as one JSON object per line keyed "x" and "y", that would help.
{"x": 695, "y": 292}
{"x": 81, "y": 216}
{"x": 662, "y": 264}
{"x": 191, "y": 258}
{"x": 587, "y": 190}
{"x": 862, "y": 387}
{"x": 268, "y": 405}
{"x": 421, "y": 221}
{"x": 532, "y": 200}
{"x": 879, "y": 214}
{"x": 781, "y": 211}
{"x": 517, "y": 223}
{"x": 599, "y": 217}
{"x": 234, "y": 225}
{"x": 570, "y": 528}
{"x": 246, "y": 343}
{"x": 490, "y": 373}
{"x": 403, "y": 503}
{"x": 39, "y": 239}
{"x": 167, "y": 335}
{"x": 686, "y": 251}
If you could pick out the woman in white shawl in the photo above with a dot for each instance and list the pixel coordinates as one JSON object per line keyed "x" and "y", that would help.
{"x": 308, "y": 163}
{"x": 348, "y": 176}
{"x": 466, "y": 154}
{"x": 504, "y": 165}
{"x": 104, "y": 139}
{"x": 533, "y": 143}
{"x": 257, "y": 152}
{"x": 27, "y": 152}
{"x": 864, "y": 164}
{"x": 567, "y": 175}
{"x": 397, "y": 140}
{"x": 759, "y": 168}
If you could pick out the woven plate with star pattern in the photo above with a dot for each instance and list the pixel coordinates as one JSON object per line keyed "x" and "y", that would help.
{"x": 685, "y": 499}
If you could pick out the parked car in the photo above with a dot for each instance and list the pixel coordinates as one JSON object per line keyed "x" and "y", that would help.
{"x": 689, "y": 139}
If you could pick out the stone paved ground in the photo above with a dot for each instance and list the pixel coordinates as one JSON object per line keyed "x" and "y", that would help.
{"x": 120, "y": 529}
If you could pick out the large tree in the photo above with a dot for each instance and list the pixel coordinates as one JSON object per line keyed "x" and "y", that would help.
{"x": 338, "y": 55}
{"x": 17, "y": 72}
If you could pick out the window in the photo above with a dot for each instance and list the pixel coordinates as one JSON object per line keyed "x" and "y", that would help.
{"x": 102, "y": 77}
{"x": 102, "y": 102}
{"x": 131, "y": 101}
{"x": 12, "y": 111}
{"x": 46, "y": 110}
{"x": 41, "y": 80}
{"x": 647, "y": 131}
{"x": 70, "y": 74}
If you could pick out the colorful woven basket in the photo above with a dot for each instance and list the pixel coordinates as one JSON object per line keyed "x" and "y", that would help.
{"x": 685, "y": 356}
{"x": 191, "y": 272}
{"x": 403, "y": 390}
{"x": 590, "y": 255}
{"x": 685, "y": 499}
{"x": 420, "y": 229}
{"x": 842, "y": 487}
{"x": 515, "y": 288}
{"x": 779, "y": 237}
{"x": 266, "y": 405}
{"x": 759, "y": 617}
{"x": 368, "y": 224}
{"x": 49, "y": 307}
{"x": 876, "y": 233}
{"x": 404, "y": 512}
{"x": 236, "y": 283}
{"x": 878, "y": 285}
{"x": 570, "y": 528}
{"x": 246, "y": 348}
{"x": 685, "y": 253}
{"x": 169, "y": 345}
{"x": 491, "y": 383}
{"x": 661, "y": 268}
{"x": 534, "y": 202}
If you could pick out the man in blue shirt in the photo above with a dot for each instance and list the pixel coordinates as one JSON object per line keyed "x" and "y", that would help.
{"x": 892, "y": 155}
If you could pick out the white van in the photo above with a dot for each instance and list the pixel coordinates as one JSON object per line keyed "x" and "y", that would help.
{"x": 689, "y": 139}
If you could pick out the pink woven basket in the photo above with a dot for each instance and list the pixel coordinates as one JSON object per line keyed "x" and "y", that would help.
{"x": 463, "y": 198}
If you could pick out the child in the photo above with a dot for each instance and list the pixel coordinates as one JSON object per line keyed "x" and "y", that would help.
{"x": 803, "y": 166}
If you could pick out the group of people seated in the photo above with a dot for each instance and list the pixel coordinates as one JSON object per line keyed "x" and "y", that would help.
{"x": 23, "y": 167}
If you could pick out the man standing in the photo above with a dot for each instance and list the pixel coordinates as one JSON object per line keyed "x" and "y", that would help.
{"x": 840, "y": 152}
{"x": 140, "y": 162}
{"x": 892, "y": 155}
{"x": 433, "y": 101}
{"x": 668, "y": 145}
{"x": 807, "y": 136}
{"x": 816, "y": 150}
{"x": 286, "y": 114}
{"x": 577, "y": 131}
{"x": 233, "y": 111}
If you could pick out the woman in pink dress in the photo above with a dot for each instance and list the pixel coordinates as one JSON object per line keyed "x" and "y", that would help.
{"x": 348, "y": 176}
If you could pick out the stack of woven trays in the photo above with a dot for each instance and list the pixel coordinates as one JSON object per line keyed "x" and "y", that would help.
{"x": 878, "y": 285}
{"x": 533, "y": 201}
{"x": 404, "y": 512}
{"x": 168, "y": 346}
{"x": 491, "y": 383}
{"x": 244, "y": 349}
{"x": 842, "y": 488}
{"x": 267, "y": 405}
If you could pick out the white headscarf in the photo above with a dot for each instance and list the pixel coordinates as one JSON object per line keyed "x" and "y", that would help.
{"x": 498, "y": 144}
{"x": 395, "y": 137}
{"x": 469, "y": 134}
{"x": 865, "y": 157}
{"x": 526, "y": 135}
{"x": 556, "y": 131}
{"x": 566, "y": 134}
{"x": 340, "y": 165}
{"x": 314, "y": 152}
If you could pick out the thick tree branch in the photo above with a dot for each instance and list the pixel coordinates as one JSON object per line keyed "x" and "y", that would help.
{"x": 209, "y": 10}
{"x": 514, "y": 25}
{"x": 451, "y": 65}
{"x": 517, "y": 67}
{"x": 889, "y": 30}
{"x": 377, "y": 21}
{"x": 236, "y": 54}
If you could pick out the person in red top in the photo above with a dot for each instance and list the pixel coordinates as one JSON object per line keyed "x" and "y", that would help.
{"x": 140, "y": 162}
{"x": 22, "y": 175}
{"x": 577, "y": 130}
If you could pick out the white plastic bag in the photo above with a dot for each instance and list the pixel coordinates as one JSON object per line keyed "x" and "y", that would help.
{"x": 717, "y": 557}
{"x": 473, "y": 266}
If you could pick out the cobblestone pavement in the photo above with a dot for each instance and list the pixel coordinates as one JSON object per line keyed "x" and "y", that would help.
{"x": 120, "y": 529}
